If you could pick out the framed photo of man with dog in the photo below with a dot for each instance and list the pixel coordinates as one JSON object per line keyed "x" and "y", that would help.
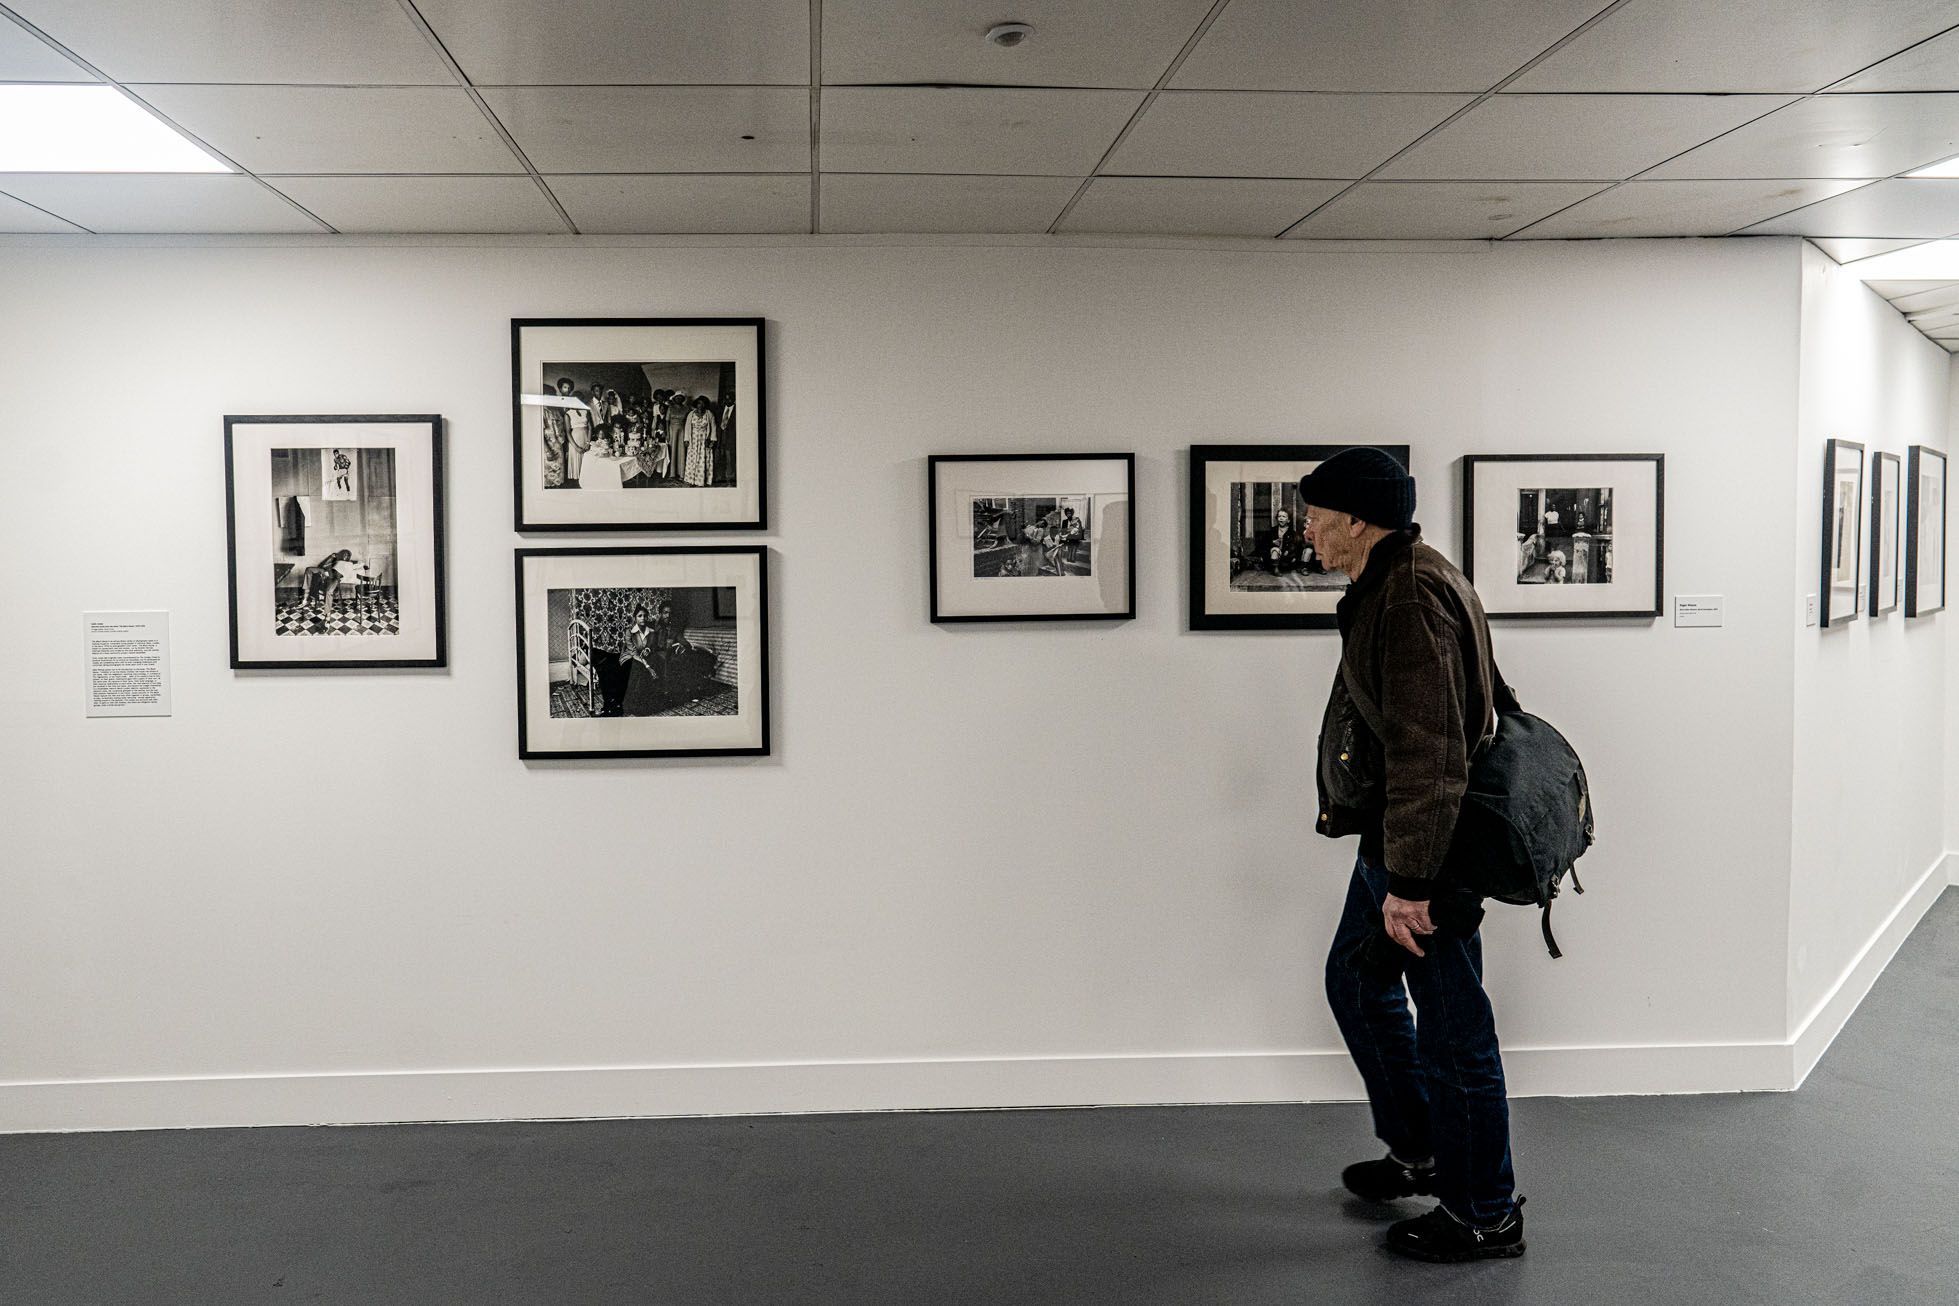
{"x": 1565, "y": 536}
{"x": 336, "y": 541}
{"x": 1032, "y": 537}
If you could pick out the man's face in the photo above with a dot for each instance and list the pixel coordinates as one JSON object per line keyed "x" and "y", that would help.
{"x": 1328, "y": 532}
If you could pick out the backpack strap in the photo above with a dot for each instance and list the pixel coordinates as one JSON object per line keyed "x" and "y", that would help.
{"x": 1550, "y": 939}
{"x": 1370, "y": 711}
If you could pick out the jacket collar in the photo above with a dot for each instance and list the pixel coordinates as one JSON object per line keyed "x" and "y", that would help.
{"x": 1374, "y": 575}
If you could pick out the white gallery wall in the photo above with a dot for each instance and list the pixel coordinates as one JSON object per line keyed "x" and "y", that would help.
{"x": 1870, "y": 793}
{"x": 985, "y": 866}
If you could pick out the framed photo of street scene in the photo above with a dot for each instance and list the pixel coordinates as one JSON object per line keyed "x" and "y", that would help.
{"x": 638, "y": 423}
{"x": 1250, "y": 565}
{"x": 643, "y": 652}
{"x": 1565, "y": 536}
{"x": 334, "y": 528}
{"x": 1924, "y": 531}
{"x": 1032, "y": 537}
{"x": 1841, "y": 588}
{"x": 1886, "y": 509}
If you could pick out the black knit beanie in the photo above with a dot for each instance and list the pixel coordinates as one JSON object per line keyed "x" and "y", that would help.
{"x": 1365, "y": 483}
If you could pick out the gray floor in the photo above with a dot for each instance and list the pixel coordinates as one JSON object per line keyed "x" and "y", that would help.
{"x": 1845, "y": 1192}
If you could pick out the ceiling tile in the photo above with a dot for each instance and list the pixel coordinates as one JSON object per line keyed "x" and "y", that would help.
{"x": 24, "y": 57}
{"x": 893, "y": 201}
{"x": 17, "y": 218}
{"x": 290, "y": 129}
{"x": 1375, "y": 45}
{"x": 1680, "y": 208}
{"x": 1439, "y": 210}
{"x": 658, "y": 128}
{"x": 1918, "y": 296}
{"x": 1555, "y": 137}
{"x": 1274, "y": 134}
{"x": 1929, "y": 66}
{"x": 699, "y": 203}
{"x": 625, "y": 42}
{"x": 1831, "y": 136}
{"x": 386, "y": 205}
{"x": 1075, "y": 43}
{"x": 1736, "y": 45}
{"x": 1022, "y": 132}
{"x": 1851, "y": 249}
{"x": 141, "y": 203}
{"x": 1887, "y": 209}
{"x": 1196, "y": 206}
{"x": 345, "y": 42}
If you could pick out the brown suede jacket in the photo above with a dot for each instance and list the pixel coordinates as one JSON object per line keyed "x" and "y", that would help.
{"x": 1415, "y": 642}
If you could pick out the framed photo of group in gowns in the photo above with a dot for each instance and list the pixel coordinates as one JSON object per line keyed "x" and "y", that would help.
{"x": 1556, "y": 536}
{"x": 1251, "y": 567}
{"x": 643, "y": 652}
{"x": 1924, "y": 531}
{"x": 1886, "y": 505}
{"x": 1032, "y": 537}
{"x": 1841, "y": 588}
{"x": 639, "y": 423}
{"x": 334, "y": 527}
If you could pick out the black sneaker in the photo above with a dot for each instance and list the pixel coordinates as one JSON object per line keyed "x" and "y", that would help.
{"x": 1386, "y": 1179}
{"x": 1440, "y": 1236}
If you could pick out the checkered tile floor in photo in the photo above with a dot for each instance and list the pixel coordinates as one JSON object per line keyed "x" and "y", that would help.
{"x": 567, "y": 701}
{"x": 378, "y": 616}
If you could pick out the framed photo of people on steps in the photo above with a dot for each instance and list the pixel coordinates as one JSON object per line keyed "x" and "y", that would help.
{"x": 643, "y": 652}
{"x": 639, "y": 423}
{"x": 334, "y": 526}
{"x": 1251, "y": 567}
{"x": 1924, "y": 531}
{"x": 1566, "y": 536}
{"x": 1032, "y": 537}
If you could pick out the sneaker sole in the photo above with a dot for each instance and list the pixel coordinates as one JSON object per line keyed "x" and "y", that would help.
{"x": 1453, "y": 1258}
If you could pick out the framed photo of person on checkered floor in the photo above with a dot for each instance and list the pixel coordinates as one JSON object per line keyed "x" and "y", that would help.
{"x": 642, "y": 652}
{"x": 335, "y": 530}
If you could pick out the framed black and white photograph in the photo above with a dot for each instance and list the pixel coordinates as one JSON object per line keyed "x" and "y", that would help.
{"x": 1250, "y": 565}
{"x": 638, "y": 423}
{"x": 1032, "y": 537}
{"x": 1842, "y": 585}
{"x": 1886, "y": 506}
{"x": 1924, "y": 531}
{"x": 642, "y": 652}
{"x": 336, "y": 542}
{"x": 1565, "y": 536}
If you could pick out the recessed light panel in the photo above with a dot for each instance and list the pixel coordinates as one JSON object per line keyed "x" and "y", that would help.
{"x": 89, "y": 129}
{"x": 1943, "y": 168}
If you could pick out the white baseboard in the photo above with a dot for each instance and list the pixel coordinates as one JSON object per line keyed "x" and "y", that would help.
{"x": 1816, "y": 1031}
{"x": 952, "y": 1084}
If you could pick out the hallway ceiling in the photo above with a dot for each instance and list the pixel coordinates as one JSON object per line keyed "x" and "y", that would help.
{"x": 1294, "y": 119}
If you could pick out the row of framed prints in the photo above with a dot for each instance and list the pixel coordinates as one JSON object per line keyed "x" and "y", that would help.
{"x": 1051, "y": 536}
{"x": 1856, "y": 581}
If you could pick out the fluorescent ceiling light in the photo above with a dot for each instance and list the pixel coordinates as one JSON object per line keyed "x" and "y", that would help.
{"x": 1935, "y": 260}
{"x": 1943, "y": 168}
{"x": 89, "y": 129}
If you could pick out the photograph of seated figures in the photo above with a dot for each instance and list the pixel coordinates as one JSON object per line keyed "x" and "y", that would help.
{"x": 1564, "y": 537}
{"x": 639, "y": 426}
{"x": 619, "y": 652}
{"x": 333, "y": 568}
{"x": 1031, "y": 537}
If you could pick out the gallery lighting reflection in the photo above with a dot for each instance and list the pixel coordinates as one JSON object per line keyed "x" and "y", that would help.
{"x": 1943, "y": 168}
{"x": 89, "y": 129}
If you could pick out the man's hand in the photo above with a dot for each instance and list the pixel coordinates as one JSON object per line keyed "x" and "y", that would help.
{"x": 1406, "y": 921}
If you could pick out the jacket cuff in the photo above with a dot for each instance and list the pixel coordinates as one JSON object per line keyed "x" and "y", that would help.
{"x": 1409, "y": 887}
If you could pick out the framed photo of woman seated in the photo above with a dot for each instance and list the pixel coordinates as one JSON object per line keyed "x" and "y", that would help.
{"x": 643, "y": 652}
{"x": 335, "y": 529}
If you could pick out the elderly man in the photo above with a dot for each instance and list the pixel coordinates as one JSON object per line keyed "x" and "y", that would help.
{"x": 1414, "y": 697}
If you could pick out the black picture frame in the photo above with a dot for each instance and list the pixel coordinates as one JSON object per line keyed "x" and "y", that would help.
{"x": 529, "y": 522}
{"x": 1921, "y": 460}
{"x": 759, "y": 552}
{"x": 1879, "y": 606}
{"x": 1496, "y": 611}
{"x": 935, "y": 518}
{"x": 1834, "y": 608}
{"x": 437, "y": 542}
{"x": 1199, "y": 615}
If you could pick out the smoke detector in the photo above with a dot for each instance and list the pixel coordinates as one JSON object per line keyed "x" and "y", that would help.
{"x": 1008, "y": 35}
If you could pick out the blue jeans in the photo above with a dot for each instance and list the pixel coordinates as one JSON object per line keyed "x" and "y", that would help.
{"x": 1436, "y": 1086}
